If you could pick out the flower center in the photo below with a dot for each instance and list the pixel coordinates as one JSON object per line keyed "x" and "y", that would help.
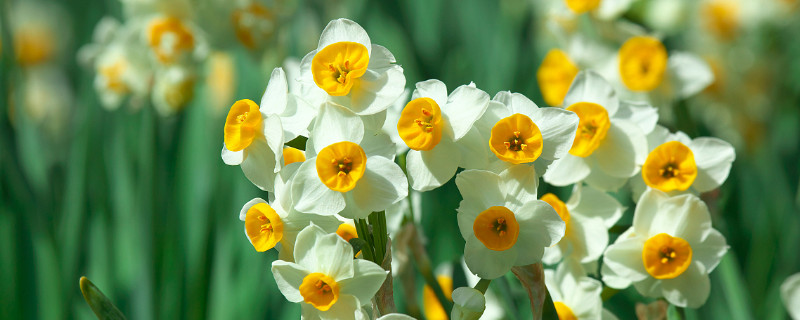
{"x": 341, "y": 165}
{"x": 319, "y": 290}
{"x": 564, "y": 312}
{"x": 516, "y": 139}
{"x": 169, "y": 37}
{"x": 112, "y": 73}
{"x": 670, "y": 167}
{"x": 665, "y": 256}
{"x": 581, "y": 6}
{"x": 420, "y": 124}
{"x": 496, "y": 228}
{"x": 592, "y": 128}
{"x": 347, "y": 231}
{"x": 33, "y": 45}
{"x": 336, "y": 66}
{"x": 242, "y": 125}
{"x": 263, "y": 226}
{"x": 252, "y": 23}
{"x": 642, "y": 62}
{"x": 555, "y": 75}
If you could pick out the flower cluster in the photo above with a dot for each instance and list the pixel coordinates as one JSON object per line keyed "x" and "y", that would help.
{"x": 359, "y": 144}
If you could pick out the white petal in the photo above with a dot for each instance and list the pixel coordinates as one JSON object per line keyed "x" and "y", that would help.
{"x": 468, "y": 304}
{"x": 494, "y": 112}
{"x": 486, "y": 263}
{"x": 474, "y": 150}
{"x": 656, "y": 137}
{"x": 590, "y": 202}
{"x": 433, "y": 89}
{"x": 684, "y": 216}
{"x": 646, "y": 210}
{"x": 710, "y": 252}
{"x": 790, "y": 294}
{"x": 619, "y": 153}
{"x": 232, "y": 158}
{"x": 342, "y": 29}
{"x": 480, "y": 189}
{"x": 624, "y": 258}
{"x": 464, "y": 106}
{"x": 588, "y": 237}
{"x": 346, "y": 308}
{"x": 383, "y": 184}
{"x": 428, "y": 170}
{"x": 639, "y": 113}
{"x": 380, "y": 58}
{"x": 296, "y": 118}
{"x": 273, "y": 132}
{"x": 396, "y": 316}
{"x": 567, "y": 170}
{"x": 543, "y": 226}
{"x": 375, "y": 91}
{"x": 378, "y": 143}
{"x": 689, "y": 73}
{"x": 367, "y": 279}
{"x": 690, "y": 289}
{"x": 589, "y": 86}
{"x": 335, "y": 124}
{"x": 519, "y": 185}
{"x": 611, "y": 9}
{"x": 558, "y": 127}
{"x": 585, "y": 301}
{"x": 516, "y": 103}
{"x": 713, "y": 158}
{"x": 259, "y": 164}
{"x": 602, "y": 181}
{"x": 246, "y": 206}
{"x": 374, "y": 122}
{"x": 276, "y": 94}
{"x": 311, "y": 195}
{"x": 288, "y": 277}
{"x": 326, "y": 253}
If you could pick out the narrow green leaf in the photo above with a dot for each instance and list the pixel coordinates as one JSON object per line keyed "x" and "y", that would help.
{"x": 102, "y": 307}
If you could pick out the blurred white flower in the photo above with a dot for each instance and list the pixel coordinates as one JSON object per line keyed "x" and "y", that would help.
{"x": 790, "y": 295}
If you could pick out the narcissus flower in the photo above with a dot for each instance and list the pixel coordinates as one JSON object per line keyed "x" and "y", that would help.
{"x": 326, "y": 280}
{"x": 609, "y": 144}
{"x": 588, "y": 214}
{"x": 668, "y": 252}
{"x": 347, "y": 171}
{"x": 603, "y": 9}
{"x": 346, "y": 68}
{"x": 555, "y": 75}
{"x": 502, "y": 221}
{"x": 468, "y": 304}
{"x": 678, "y": 164}
{"x": 521, "y": 132}
{"x": 575, "y": 295}
{"x": 172, "y": 39}
{"x": 431, "y": 306}
{"x": 439, "y": 130}
{"x": 254, "y": 140}
{"x": 295, "y": 113}
{"x": 790, "y": 294}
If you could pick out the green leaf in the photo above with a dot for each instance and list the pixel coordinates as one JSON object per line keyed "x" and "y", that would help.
{"x": 102, "y": 307}
{"x": 358, "y": 244}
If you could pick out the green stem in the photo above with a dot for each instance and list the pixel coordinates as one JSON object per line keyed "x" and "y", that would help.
{"x": 483, "y": 285}
{"x": 363, "y": 232}
{"x": 424, "y": 265}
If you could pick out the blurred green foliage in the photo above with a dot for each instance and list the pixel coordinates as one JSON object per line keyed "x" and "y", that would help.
{"x": 144, "y": 206}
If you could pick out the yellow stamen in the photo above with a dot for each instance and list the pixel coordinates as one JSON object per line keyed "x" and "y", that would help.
{"x": 496, "y": 228}
{"x": 665, "y": 256}
{"x": 341, "y": 165}
{"x": 516, "y": 139}
{"x": 670, "y": 167}
{"x": 420, "y": 124}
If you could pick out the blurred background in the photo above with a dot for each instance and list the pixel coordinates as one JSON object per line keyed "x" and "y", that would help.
{"x": 110, "y": 160}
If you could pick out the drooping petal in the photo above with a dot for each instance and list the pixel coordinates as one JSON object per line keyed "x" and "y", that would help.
{"x": 639, "y": 113}
{"x": 232, "y": 158}
{"x": 378, "y": 143}
{"x": 567, "y": 170}
{"x": 486, "y": 263}
{"x": 690, "y": 289}
{"x": 276, "y": 94}
{"x": 689, "y": 73}
{"x": 259, "y": 163}
{"x": 428, "y": 170}
{"x": 383, "y": 184}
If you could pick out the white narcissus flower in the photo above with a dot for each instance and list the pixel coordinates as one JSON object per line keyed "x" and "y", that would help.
{"x": 610, "y": 143}
{"x": 294, "y": 112}
{"x": 668, "y": 252}
{"x": 346, "y": 68}
{"x": 575, "y": 295}
{"x": 392, "y": 117}
{"x": 603, "y": 9}
{"x": 520, "y": 132}
{"x": 173, "y": 39}
{"x": 347, "y": 171}
{"x": 173, "y": 89}
{"x": 790, "y": 294}
{"x": 588, "y": 214}
{"x": 254, "y": 140}
{"x": 678, "y": 164}
{"x": 502, "y": 221}
{"x": 439, "y": 130}
{"x": 468, "y": 304}
{"x": 326, "y": 280}
{"x": 275, "y": 223}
